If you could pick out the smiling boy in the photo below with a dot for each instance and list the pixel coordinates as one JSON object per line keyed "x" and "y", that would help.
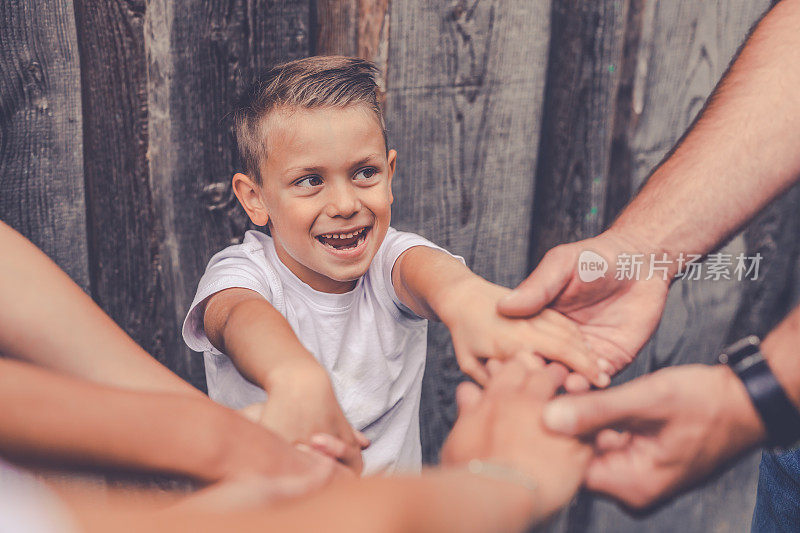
{"x": 328, "y": 313}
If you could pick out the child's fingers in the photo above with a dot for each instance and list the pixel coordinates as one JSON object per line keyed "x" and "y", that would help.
{"x": 338, "y": 449}
{"x": 329, "y": 445}
{"x": 474, "y": 369}
{"x": 562, "y": 322}
{"x": 511, "y": 376}
{"x": 530, "y": 360}
{"x": 361, "y": 439}
{"x": 493, "y": 366}
{"x": 553, "y": 344}
{"x": 468, "y": 395}
{"x": 576, "y": 383}
{"x": 609, "y": 440}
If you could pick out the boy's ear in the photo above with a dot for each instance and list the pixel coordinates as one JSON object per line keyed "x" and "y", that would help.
{"x": 391, "y": 158}
{"x": 248, "y": 194}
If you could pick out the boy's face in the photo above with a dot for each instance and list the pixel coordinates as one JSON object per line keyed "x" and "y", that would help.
{"x": 326, "y": 192}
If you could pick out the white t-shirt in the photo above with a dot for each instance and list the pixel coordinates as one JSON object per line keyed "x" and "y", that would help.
{"x": 372, "y": 345}
{"x": 28, "y": 506}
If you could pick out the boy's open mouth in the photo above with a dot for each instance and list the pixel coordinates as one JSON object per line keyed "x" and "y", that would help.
{"x": 344, "y": 241}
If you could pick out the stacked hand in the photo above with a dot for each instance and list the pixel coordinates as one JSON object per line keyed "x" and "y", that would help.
{"x": 615, "y": 317}
{"x": 302, "y": 408}
{"x": 503, "y": 425}
{"x": 660, "y": 433}
{"x": 480, "y": 333}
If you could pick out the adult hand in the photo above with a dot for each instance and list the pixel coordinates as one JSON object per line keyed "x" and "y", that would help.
{"x": 616, "y": 317}
{"x": 503, "y": 425}
{"x": 678, "y": 425}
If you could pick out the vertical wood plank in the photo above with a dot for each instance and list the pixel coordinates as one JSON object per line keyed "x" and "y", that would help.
{"x": 123, "y": 225}
{"x": 41, "y": 144}
{"x": 353, "y": 28}
{"x": 464, "y": 98}
{"x": 200, "y": 57}
{"x": 336, "y": 27}
{"x": 684, "y": 48}
{"x": 583, "y": 76}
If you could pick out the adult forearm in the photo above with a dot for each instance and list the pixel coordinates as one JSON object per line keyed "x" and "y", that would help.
{"x": 439, "y": 501}
{"x": 54, "y": 324}
{"x": 436, "y": 502}
{"x": 780, "y": 348}
{"x": 743, "y": 151}
{"x": 62, "y": 420}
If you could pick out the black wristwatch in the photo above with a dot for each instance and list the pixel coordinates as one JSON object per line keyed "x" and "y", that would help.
{"x": 779, "y": 415}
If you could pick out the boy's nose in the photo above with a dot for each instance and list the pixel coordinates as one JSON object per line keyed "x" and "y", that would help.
{"x": 343, "y": 202}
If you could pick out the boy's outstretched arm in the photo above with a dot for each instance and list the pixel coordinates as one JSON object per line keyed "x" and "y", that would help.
{"x": 265, "y": 350}
{"x": 54, "y": 324}
{"x": 46, "y": 417}
{"x": 437, "y": 286}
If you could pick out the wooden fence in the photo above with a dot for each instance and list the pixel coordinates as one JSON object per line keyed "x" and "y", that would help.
{"x": 519, "y": 124}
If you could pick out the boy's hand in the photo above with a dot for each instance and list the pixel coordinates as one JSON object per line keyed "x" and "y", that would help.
{"x": 302, "y": 408}
{"x": 479, "y": 332}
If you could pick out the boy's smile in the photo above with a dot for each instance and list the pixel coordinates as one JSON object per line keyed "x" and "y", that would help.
{"x": 326, "y": 192}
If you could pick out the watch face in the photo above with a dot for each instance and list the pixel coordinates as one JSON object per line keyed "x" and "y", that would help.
{"x": 740, "y": 350}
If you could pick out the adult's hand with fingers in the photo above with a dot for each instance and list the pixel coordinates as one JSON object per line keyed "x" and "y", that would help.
{"x": 677, "y": 425}
{"x": 503, "y": 425}
{"x": 615, "y": 316}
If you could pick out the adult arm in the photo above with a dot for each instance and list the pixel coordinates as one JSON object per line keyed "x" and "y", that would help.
{"x": 56, "y": 419}
{"x": 450, "y": 499}
{"x": 54, "y": 324}
{"x": 742, "y": 152}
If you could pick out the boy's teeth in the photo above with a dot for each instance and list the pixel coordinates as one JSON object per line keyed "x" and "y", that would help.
{"x": 341, "y": 235}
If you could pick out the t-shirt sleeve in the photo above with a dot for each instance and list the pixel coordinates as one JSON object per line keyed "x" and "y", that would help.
{"x": 393, "y": 246}
{"x": 237, "y": 266}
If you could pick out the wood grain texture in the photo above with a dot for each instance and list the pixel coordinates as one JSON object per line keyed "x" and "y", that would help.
{"x": 464, "y": 98}
{"x": 336, "y": 27}
{"x": 123, "y": 225}
{"x": 684, "y": 48}
{"x": 584, "y": 66}
{"x": 41, "y": 144}
{"x": 353, "y": 28}
{"x": 200, "y": 58}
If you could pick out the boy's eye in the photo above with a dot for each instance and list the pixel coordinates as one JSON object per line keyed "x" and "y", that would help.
{"x": 309, "y": 181}
{"x": 365, "y": 174}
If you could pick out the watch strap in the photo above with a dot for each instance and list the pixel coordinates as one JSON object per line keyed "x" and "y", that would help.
{"x": 779, "y": 415}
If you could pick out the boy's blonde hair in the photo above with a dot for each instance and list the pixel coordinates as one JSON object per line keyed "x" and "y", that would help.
{"x": 312, "y": 82}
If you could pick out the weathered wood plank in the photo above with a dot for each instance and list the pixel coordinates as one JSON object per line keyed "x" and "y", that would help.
{"x": 355, "y": 28}
{"x": 336, "y": 27}
{"x": 464, "y": 98}
{"x": 684, "y": 49}
{"x": 200, "y": 57}
{"x": 41, "y": 143}
{"x": 583, "y": 76}
{"x": 123, "y": 226}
